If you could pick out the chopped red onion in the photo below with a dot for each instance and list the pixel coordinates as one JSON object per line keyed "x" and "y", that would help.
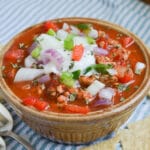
{"x": 129, "y": 83}
{"x": 102, "y": 102}
{"x": 74, "y": 30}
{"x": 27, "y": 74}
{"x": 109, "y": 47}
{"x": 129, "y": 44}
{"x": 44, "y": 78}
{"x": 32, "y": 47}
{"x": 139, "y": 66}
{"x": 93, "y": 33}
{"x": 61, "y": 34}
{"x": 44, "y": 60}
{"x": 52, "y": 55}
{"x": 100, "y": 51}
{"x": 65, "y": 26}
{"x": 106, "y": 36}
{"x": 107, "y": 93}
{"x": 112, "y": 71}
{"x": 81, "y": 34}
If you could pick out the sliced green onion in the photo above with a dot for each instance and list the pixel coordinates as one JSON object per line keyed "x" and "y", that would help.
{"x": 90, "y": 40}
{"x": 67, "y": 79}
{"x": 68, "y": 42}
{"x": 101, "y": 68}
{"x": 76, "y": 74}
{"x": 51, "y": 32}
{"x": 88, "y": 69}
{"x": 36, "y": 52}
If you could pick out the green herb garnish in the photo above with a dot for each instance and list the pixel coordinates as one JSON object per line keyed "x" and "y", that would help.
{"x": 83, "y": 26}
{"x": 72, "y": 97}
{"x": 117, "y": 46}
{"x": 122, "y": 99}
{"x": 138, "y": 72}
{"x": 76, "y": 74}
{"x": 18, "y": 60}
{"x": 127, "y": 88}
{"x": 87, "y": 101}
{"x": 3, "y": 68}
{"x": 102, "y": 68}
{"x": 88, "y": 69}
{"x": 21, "y": 45}
{"x": 15, "y": 66}
{"x": 136, "y": 87}
{"x": 4, "y": 75}
{"x": 122, "y": 87}
{"x": 71, "y": 65}
{"x": 119, "y": 34}
{"x": 35, "y": 82}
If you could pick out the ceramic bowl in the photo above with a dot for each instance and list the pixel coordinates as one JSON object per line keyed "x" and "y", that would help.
{"x": 77, "y": 128}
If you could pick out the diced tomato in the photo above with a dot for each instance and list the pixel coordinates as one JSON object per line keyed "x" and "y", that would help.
{"x": 77, "y": 52}
{"x": 127, "y": 41}
{"x": 124, "y": 74}
{"x": 128, "y": 76}
{"x": 11, "y": 73}
{"x": 29, "y": 101}
{"x": 102, "y": 42}
{"x": 13, "y": 55}
{"x": 50, "y": 25}
{"x": 76, "y": 109}
{"x": 41, "y": 105}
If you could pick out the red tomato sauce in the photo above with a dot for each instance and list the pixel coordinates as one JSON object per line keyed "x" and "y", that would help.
{"x": 44, "y": 98}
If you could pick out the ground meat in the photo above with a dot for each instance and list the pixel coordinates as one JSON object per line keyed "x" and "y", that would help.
{"x": 104, "y": 60}
{"x": 119, "y": 54}
{"x": 85, "y": 81}
{"x": 108, "y": 80}
{"x": 101, "y": 34}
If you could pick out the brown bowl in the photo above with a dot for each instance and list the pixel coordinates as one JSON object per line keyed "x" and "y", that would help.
{"x": 77, "y": 128}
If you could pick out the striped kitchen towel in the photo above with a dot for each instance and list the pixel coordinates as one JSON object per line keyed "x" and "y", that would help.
{"x": 16, "y": 15}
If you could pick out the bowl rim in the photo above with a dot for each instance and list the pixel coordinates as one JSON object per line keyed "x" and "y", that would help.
{"x": 136, "y": 97}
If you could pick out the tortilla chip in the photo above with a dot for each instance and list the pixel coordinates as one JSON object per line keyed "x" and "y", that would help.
{"x": 130, "y": 141}
{"x": 141, "y": 128}
{"x": 135, "y": 137}
{"x": 105, "y": 145}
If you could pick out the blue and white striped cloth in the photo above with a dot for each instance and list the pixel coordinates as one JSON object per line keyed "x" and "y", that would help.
{"x": 16, "y": 15}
